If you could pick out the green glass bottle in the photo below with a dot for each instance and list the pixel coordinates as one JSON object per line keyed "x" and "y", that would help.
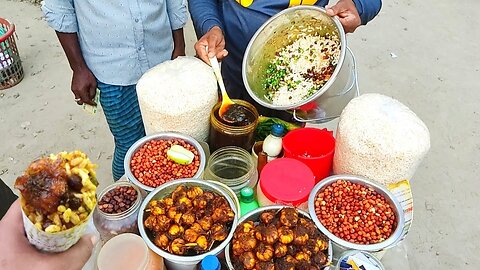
{"x": 247, "y": 201}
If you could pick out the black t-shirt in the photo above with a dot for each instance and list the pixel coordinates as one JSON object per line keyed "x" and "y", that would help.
{"x": 7, "y": 197}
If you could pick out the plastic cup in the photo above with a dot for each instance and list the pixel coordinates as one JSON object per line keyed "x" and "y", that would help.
{"x": 312, "y": 146}
{"x": 124, "y": 252}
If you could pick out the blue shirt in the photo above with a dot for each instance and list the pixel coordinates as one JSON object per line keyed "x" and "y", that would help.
{"x": 120, "y": 40}
{"x": 240, "y": 19}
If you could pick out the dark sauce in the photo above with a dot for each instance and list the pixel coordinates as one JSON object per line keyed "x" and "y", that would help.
{"x": 236, "y": 115}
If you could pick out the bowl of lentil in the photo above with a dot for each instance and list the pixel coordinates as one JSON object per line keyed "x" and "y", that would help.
{"x": 195, "y": 191}
{"x": 147, "y": 165}
{"x": 356, "y": 213}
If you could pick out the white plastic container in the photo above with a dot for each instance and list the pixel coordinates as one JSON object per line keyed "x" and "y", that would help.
{"x": 272, "y": 145}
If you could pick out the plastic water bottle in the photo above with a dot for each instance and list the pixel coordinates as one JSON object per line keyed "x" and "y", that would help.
{"x": 272, "y": 145}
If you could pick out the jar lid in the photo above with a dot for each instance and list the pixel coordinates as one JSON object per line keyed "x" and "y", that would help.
{"x": 277, "y": 130}
{"x": 126, "y": 251}
{"x": 287, "y": 180}
{"x": 210, "y": 262}
{"x": 246, "y": 194}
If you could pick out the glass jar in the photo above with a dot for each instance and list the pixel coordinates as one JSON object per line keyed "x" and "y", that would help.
{"x": 110, "y": 225}
{"x": 232, "y": 166}
{"x": 222, "y": 134}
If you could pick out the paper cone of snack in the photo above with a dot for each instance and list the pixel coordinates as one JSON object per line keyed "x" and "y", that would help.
{"x": 58, "y": 197}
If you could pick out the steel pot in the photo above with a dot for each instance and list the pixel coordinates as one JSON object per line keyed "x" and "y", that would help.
{"x": 255, "y": 216}
{"x": 162, "y": 136}
{"x": 328, "y": 102}
{"x": 175, "y": 261}
{"x": 341, "y": 245}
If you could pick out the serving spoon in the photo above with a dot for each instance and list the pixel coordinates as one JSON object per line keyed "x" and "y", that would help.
{"x": 226, "y": 101}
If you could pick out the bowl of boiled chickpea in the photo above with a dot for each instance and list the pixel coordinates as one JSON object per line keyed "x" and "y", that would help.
{"x": 278, "y": 237}
{"x": 187, "y": 219}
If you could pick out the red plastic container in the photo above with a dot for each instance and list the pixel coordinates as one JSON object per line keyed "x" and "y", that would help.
{"x": 285, "y": 181}
{"x": 312, "y": 146}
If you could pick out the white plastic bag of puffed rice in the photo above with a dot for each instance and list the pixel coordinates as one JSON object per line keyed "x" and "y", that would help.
{"x": 381, "y": 139}
{"x": 178, "y": 95}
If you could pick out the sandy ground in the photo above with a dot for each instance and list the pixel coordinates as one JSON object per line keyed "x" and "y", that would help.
{"x": 420, "y": 52}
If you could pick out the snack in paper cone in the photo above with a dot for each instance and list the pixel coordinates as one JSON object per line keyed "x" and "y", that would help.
{"x": 58, "y": 196}
{"x": 53, "y": 242}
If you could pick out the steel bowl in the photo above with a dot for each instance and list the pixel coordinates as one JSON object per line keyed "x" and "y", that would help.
{"x": 255, "y": 216}
{"x": 176, "y": 261}
{"x": 343, "y": 244}
{"x": 278, "y": 32}
{"x": 165, "y": 136}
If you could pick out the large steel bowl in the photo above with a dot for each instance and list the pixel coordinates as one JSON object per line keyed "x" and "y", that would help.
{"x": 162, "y": 136}
{"x": 278, "y": 32}
{"x": 176, "y": 261}
{"x": 342, "y": 245}
{"x": 255, "y": 216}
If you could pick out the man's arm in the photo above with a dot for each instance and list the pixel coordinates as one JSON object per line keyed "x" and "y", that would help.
{"x": 177, "y": 14}
{"x": 208, "y": 27}
{"x": 61, "y": 16}
{"x": 368, "y": 9}
{"x": 84, "y": 83}
{"x": 205, "y": 15}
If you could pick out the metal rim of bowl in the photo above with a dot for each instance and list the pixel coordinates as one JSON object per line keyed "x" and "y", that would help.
{"x": 389, "y": 242}
{"x": 267, "y": 208}
{"x": 163, "y": 135}
{"x": 324, "y": 88}
{"x": 192, "y": 182}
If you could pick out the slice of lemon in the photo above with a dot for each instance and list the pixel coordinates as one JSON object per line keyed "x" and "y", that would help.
{"x": 180, "y": 155}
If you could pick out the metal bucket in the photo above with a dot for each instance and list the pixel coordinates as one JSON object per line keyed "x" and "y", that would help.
{"x": 328, "y": 102}
{"x": 340, "y": 245}
{"x": 178, "y": 262}
{"x": 255, "y": 216}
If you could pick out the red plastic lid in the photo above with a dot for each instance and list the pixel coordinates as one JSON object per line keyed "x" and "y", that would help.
{"x": 287, "y": 180}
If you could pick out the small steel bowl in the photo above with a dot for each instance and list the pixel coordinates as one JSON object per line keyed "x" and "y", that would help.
{"x": 162, "y": 136}
{"x": 343, "y": 244}
{"x": 255, "y": 216}
{"x": 176, "y": 261}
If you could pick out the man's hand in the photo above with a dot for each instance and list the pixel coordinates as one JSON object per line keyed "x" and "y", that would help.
{"x": 17, "y": 253}
{"x": 84, "y": 86}
{"x": 347, "y": 14}
{"x": 215, "y": 41}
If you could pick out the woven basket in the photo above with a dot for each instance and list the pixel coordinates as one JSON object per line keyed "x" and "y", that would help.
{"x": 11, "y": 70}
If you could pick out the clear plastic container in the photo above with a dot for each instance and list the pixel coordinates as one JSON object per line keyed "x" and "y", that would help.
{"x": 232, "y": 166}
{"x": 111, "y": 225}
{"x": 128, "y": 252}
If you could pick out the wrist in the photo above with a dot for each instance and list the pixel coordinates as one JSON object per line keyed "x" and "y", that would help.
{"x": 79, "y": 67}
